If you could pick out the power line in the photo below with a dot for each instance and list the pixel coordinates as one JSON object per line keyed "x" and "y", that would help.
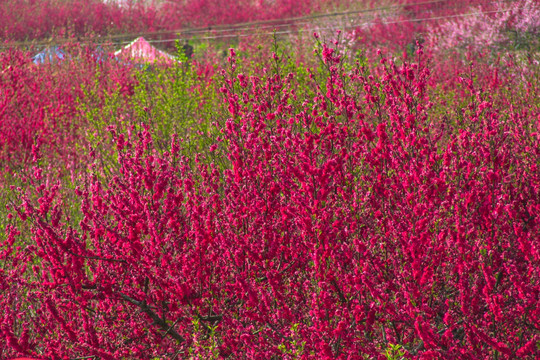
{"x": 335, "y": 28}
{"x": 284, "y": 22}
{"x": 356, "y": 25}
{"x": 224, "y": 36}
{"x": 288, "y": 21}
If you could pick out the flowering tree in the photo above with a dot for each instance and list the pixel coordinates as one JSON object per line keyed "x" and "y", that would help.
{"x": 513, "y": 24}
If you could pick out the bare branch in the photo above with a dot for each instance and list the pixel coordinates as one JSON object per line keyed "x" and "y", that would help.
{"x": 159, "y": 321}
{"x": 278, "y": 332}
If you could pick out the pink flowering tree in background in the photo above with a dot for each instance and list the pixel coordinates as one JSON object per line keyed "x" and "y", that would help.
{"x": 515, "y": 24}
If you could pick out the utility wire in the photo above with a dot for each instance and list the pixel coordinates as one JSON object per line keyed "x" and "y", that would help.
{"x": 330, "y": 28}
{"x": 283, "y": 32}
{"x": 278, "y": 23}
{"x": 288, "y": 21}
{"x": 350, "y": 26}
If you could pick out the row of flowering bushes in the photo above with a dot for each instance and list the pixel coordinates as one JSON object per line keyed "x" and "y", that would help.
{"x": 39, "y": 20}
{"x": 340, "y": 209}
{"x": 25, "y": 20}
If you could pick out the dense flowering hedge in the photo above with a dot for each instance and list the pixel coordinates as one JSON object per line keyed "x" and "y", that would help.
{"x": 347, "y": 210}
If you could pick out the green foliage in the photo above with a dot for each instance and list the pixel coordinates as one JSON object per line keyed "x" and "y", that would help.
{"x": 292, "y": 345}
{"x": 394, "y": 352}
{"x": 205, "y": 341}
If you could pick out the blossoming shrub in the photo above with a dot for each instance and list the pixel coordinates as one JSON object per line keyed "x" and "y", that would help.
{"x": 349, "y": 213}
{"x": 43, "y": 102}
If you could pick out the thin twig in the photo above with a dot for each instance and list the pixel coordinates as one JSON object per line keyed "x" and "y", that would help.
{"x": 278, "y": 332}
{"x": 171, "y": 327}
{"x": 159, "y": 321}
{"x": 339, "y": 292}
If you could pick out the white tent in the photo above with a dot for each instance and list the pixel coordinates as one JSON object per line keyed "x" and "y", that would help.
{"x": 141, "y": 50}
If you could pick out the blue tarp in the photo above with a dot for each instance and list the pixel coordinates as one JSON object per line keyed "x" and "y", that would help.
{"x": 99, "y": 54}
{"x": 54, "y": 54}
{"x": 49, "y": 55}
